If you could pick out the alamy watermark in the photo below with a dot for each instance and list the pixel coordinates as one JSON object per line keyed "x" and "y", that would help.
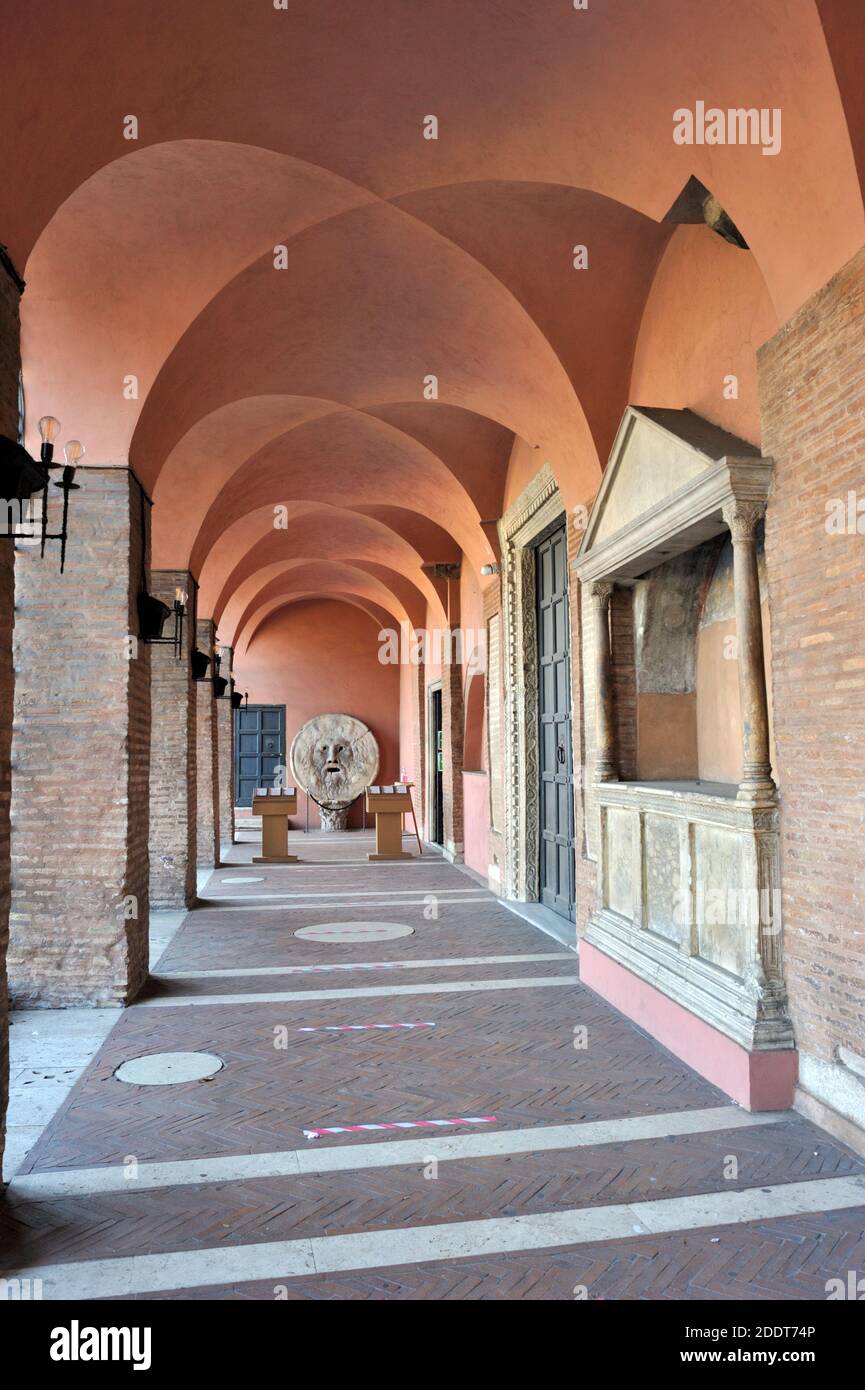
{"x": 737, "y": 125}
{"x": 440, "y": 646}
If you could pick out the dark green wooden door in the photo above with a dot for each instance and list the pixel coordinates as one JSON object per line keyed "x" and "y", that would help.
{"x": 556, "y": 788}
{"x": 259, "y": 749}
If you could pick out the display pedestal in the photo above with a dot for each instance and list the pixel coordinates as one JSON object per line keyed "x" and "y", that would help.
{"x": 389, "y": 808}
{"x": 274, "y": 812}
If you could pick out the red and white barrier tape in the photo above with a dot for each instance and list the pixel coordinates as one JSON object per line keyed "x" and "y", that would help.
{"x": 401, "y": 1124}
{"x": 359, "y": 1027}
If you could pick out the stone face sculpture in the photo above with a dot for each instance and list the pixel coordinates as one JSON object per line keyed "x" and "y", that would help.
{"x": 333, "y": 757}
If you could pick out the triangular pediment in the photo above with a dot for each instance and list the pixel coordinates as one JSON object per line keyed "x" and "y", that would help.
{"x": 669, "y": 475}
{"x": 656, "y": 454}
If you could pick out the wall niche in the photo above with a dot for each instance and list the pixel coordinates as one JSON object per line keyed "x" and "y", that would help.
{"x": 680, "y": 780}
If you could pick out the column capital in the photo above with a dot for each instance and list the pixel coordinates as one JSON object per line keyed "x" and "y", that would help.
{"x": 742, "y": 518}
{"x": 601, "y": 591}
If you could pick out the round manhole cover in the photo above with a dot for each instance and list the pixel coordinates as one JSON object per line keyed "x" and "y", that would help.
{"x": 168, "y": 1068}
{"x": 337, "y": 932}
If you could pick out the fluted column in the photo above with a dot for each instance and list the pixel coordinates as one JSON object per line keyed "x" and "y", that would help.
{"x": 743, "y": 519}
{"x": 606, "y": 762}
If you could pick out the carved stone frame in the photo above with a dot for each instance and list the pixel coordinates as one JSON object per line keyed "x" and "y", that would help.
{"x": 537, "y": 508}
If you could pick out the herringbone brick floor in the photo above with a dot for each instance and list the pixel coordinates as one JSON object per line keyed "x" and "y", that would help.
{"x": 506, "y": 1052}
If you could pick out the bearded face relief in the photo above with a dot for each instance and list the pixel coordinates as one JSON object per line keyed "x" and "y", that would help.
{"x": 333, "y": 763}
{"x": 333, "y": 757}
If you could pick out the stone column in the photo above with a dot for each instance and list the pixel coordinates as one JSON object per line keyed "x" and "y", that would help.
{"x": 81, "y": 753}
{"x": 10, "y": 362}
{"x": 606, "y": 765}
{"x": 225, "y": 743}
{"x": 172, "y": 753}
{"x": 207, "y": 757}
{"x": 743, "y": 519}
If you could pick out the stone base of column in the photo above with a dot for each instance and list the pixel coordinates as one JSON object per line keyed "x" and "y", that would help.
{"x": 758, "y": 1080}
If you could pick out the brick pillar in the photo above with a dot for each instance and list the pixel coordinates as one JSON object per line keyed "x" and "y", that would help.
{"x": 81, "y": 753}
{"x": 10, "y": 290}
{"x": 172, "y": 754}
{"x": 225, "y": 744}
{"x": 207, "y": 758}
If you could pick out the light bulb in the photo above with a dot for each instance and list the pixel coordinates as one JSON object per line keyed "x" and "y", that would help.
{"x": 180, "y": 596}
{"x": 49, "y": 428}
{"x": 73, "y": 450}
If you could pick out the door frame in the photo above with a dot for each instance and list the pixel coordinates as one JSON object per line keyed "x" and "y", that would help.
{"x": 432, "y": 765}
{"x": 236, "y": 769}
{"x": 538, "y": 509}
{"x": 559, "y": 524}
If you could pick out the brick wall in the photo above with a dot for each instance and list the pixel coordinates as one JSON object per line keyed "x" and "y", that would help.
{"x": 585, "y": 885}
{"x": 172, "y": 755}
{"x": 81, "y": 753}
{"x": 207, "y": 758}
{"x": 225, "y": 747}
{"x": 812, "y": 389}
{"x": 9, "y": 368}
{"x": 624, "y": 677}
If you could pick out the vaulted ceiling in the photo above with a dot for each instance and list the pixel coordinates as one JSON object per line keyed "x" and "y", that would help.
{"x": 248, "y": 301}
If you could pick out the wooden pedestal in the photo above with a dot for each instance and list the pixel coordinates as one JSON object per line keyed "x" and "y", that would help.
{"x": 389, "y": 809}
{"x": 274, "y": 812}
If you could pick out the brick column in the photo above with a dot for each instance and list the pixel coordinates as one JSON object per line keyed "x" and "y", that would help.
{"x": 81, "y": 753}
{"x": 207, "y": 758}
{"x": 172, "y": 754}
{"x": 10, "y": 290}
{"x": 225, "y": 744}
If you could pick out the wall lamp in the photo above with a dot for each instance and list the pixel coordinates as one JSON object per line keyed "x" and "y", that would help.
{"x": 200, "y": 663}
{"x": 220, "y": 683}
{"x": 239, "y": 701}
{"x": 22, "y": 477}
{"x": 152, "y": 616}
{"x": 489, "y": 569}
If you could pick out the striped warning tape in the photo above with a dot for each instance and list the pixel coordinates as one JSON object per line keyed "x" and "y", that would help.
{"x": 359, "y": 1027}
{"x": 401, "y": 1124}
{"x": 385, "y": 965}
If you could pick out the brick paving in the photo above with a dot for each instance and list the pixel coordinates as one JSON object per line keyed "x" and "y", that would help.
{"x": 508, "y": 1053}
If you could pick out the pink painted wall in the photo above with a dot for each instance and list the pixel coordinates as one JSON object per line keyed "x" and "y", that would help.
{"x": 321, "y": 657}
{"x": 476, "y": 820}
{"x": 707, "y": 313}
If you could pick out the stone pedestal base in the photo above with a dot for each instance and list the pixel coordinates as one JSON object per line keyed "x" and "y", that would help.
{"x": 334, "y": 817}
{"x": 759, "y": 1080}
